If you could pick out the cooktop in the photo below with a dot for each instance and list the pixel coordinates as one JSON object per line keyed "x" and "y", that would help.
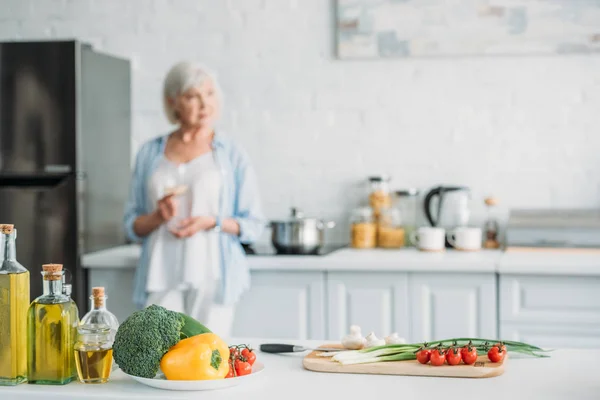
{"x": 268, "y": 250}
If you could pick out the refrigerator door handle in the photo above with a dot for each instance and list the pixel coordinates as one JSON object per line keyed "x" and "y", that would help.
{"x": 43, "y": 180}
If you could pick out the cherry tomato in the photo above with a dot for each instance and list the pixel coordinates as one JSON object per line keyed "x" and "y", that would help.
{"x": 437, "y": 357}
{"x": 453, "y": 356}
{"x": 423, "y": 356}
{"x": 234, "y": 351}
{"x": 231, "y": 373}
{"x": 500, "y": 346}
{"x": 242, "y": 367}
{"x": 496, "y": 354}
{"x": 249, "y": 355}
{"x": 469, "y": 354}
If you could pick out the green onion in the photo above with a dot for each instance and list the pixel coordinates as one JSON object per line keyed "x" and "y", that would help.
{"x": 403, "y": 352}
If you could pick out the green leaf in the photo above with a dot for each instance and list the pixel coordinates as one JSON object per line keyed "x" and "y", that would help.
{"x": 216, "y": 359}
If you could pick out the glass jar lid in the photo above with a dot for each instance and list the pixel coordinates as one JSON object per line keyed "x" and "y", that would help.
{"x": 407, "y": 192}
{"x": 379, "y": 178}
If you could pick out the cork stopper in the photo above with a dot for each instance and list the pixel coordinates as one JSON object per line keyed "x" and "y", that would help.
{"x": 98, "y": 296}
{"x": 6, "y": 228}
{"x": 52, "y": 272}
{"x": 491, "y": 201}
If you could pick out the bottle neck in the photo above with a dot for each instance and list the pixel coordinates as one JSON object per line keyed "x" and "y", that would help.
{"x": 9, "y": 249}
{"x": 52, "y": 287}
{"x": 97, "y": 303}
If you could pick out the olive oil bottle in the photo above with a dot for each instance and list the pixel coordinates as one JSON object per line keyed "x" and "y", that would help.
{"x": 52, "y": 329}
{"x": 14, "y": 301}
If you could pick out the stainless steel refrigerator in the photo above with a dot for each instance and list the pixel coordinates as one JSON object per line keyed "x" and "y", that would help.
{"x": 65, "y": 130}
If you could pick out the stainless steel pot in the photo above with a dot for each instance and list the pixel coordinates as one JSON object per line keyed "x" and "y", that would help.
{"x": 299, "y": 235}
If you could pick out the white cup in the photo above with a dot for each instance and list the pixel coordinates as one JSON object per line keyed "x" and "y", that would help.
{"x": 429, "y": 238}
{"x": 465, "y": 238}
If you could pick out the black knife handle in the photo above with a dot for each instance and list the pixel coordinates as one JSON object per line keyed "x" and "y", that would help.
{"x": 277, "y": 348}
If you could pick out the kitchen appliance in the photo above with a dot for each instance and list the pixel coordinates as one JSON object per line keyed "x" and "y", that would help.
{"x": 299, "y": 235}
{"x": 64, "y": 153}
{"x": 451, "y": 210}
{"x": 553, "y": 228}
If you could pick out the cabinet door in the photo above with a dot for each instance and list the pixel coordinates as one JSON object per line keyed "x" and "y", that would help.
{"x": 282, "y": 305}
{"x": 551, "y": 300}
{"x": 452, "y": 305}
{"x": 377, "y": 302}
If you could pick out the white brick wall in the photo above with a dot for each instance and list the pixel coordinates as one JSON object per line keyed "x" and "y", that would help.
{"x": 526, "y": 129}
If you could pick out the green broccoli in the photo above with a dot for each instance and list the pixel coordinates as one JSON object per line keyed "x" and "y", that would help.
{"x": 146, "y": 335}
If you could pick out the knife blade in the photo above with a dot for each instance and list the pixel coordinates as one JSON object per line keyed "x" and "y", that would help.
{"x": 276, "y": 348}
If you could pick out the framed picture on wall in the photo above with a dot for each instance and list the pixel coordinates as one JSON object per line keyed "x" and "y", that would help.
{"x": 423, "y": 28}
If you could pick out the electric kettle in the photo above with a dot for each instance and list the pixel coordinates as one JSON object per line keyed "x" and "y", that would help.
{"x": 452, "y": 208}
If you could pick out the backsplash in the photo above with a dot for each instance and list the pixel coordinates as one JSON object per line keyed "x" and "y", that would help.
{"x": 524, "y": 129}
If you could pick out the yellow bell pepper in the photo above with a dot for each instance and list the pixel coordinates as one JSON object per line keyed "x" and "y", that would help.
{"x": 200, "y": 357}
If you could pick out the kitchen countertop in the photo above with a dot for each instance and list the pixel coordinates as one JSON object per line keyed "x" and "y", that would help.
{"x": 345, "y": 259}
{"x": 567, "y": 374}
{"x": 408, "y": 260}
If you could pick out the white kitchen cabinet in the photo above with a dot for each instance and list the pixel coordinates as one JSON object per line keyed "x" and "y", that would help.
{"x": 377, "y": 302}
{"x": 551, "y": 311}
{"x": 282, "y": 305}
{"x": 452, "y": 305}
{"x": 550, "y": 299}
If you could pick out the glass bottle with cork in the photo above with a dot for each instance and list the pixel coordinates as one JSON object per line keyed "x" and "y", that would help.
{"x": 491, "y": 227}
{"x": 99, "y": 314}
{"x": 14, "y": 302}
{"x": 73, "y": 310}
{"x": 51, "y": 332}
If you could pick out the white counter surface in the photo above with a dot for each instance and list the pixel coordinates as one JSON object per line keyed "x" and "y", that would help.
{"x": 567, "y": 374}
{"x": 346, "y": 259}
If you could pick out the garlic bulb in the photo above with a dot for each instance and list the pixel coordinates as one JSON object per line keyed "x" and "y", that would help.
{"x": 354, "y": 340}
{"x": 394, "y": 339}
{"x": 373, "y": 341}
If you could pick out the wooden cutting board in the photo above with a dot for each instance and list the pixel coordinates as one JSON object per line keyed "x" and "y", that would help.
{"x": 483, "y": 368}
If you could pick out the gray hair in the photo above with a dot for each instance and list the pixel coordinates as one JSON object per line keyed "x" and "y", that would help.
{"x": 181, "y": 77}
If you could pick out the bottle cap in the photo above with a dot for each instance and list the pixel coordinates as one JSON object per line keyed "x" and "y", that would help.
{"x": 53, "y": 272}
{"x": 98, "y": 296}
{"x": 491, "y": 201}
{"x": 6, "y": 228}
{"x": 52, "y": 267}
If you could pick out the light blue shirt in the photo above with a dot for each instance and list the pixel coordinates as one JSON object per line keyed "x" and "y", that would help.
{"x": 239, "y": 199}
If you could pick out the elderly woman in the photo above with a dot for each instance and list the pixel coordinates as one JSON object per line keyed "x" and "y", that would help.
{"x": 193, "y": 202}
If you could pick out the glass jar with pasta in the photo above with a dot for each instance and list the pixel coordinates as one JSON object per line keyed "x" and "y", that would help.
{"x": 390, "y": 232}
{"x": 363, "y": 229}
{"x": 379, "y": 193}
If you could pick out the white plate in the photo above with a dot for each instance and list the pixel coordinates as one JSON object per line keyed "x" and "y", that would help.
{"x": 160, "y": 382}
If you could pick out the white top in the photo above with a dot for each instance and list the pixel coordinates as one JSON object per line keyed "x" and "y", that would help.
{"x": 567, "y": 374}
{"x": 192, "y": 262}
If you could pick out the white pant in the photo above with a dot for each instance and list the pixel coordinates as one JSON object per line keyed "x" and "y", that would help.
{"x": 216, "y": 317}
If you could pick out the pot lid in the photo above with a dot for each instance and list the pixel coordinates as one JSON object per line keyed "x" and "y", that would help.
{"x": 296, "y": 215}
